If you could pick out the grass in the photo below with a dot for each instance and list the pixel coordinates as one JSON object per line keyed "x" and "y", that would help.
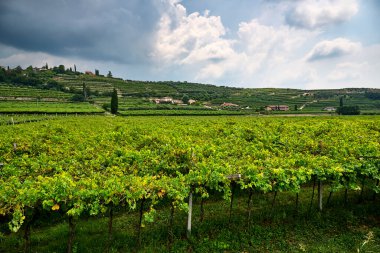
{"x": 355, "y": 228}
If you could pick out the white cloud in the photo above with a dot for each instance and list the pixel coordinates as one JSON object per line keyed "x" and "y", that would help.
{"x": 263, "y": 55}
{"x": 333, "y": 48}
{"x": 312, "y": 14}
{"x": 189, "y": 39}
{"x": 358, "y": 70}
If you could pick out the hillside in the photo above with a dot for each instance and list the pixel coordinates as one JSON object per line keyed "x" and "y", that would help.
{"x": 30, "y": 87}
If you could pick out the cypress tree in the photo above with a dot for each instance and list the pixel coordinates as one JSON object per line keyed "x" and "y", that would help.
{"x": 114, "y": 102}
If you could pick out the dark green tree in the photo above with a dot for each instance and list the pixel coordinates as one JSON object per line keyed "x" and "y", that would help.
{"x": 75, "y": 68}
{"x": 114, "y": 102}
{"x": 61, "y": 69}
{"x": 341, "y": 101}
{"x": 348, "y": 110}
{"x": 296, "y": 107}
{"x": 18, "y": 70}
{"x": 96, "y": 72}
{"x": 109, "y": 74}
{"x": 3, "y": 74}
{"x": 85, "y": 91}
{"x": 185, "y": 99}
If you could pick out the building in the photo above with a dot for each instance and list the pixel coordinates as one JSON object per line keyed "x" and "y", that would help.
{"x": 330, "y": 109}
{"x": 177, "y": 101}
{"x": 229, "y": 105}
{"x": 277, "y": 108}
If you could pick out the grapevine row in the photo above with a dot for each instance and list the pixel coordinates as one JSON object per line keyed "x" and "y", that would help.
{"x": 87, "y": 166}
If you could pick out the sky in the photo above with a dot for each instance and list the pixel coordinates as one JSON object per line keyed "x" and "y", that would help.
{"x": 306, "y": 44}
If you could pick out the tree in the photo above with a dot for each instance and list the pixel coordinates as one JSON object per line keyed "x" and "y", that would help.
{"x": 61, "y": 69}
{"x": 114, "y": 102}
{"x": 96, "y": 72}
{"x": 46, "y": 66}
{"x": 75, "y": 68}
{"x": 341, "y": 101}
{"x": 185, "y": 99}
{"x": 85, "y": 91}
{"x": 109, "y": 74}
{"x": 348, "y": 110}
{"x": 296, "y": 107}
{"x": 18, "y": 70}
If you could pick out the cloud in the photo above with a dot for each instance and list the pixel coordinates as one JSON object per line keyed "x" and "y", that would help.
{"x": 262, "y": 55}
{"x": 357, "y": 70}
{"x": 347, "y": 71}
{"x": 115, "y": 30}
{"x": 190, "y": 39}
{"x": 333, "y": 48}
{"x": 283, "y": 44}
{"x": 311, "y": 14}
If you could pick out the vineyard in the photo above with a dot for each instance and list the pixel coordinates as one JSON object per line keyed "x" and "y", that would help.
{"x": 92, "y": 166}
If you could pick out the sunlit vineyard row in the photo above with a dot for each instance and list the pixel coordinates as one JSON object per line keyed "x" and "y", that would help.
{"x": 80, "y": 166}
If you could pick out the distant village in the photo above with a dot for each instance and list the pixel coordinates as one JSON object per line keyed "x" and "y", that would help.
{"x": 169, "y": 100}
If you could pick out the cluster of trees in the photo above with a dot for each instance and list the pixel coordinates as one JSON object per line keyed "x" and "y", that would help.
{"x": 347, "y": 110}
{"x": 28, "y": 77}
{"x": 373, "y": 95}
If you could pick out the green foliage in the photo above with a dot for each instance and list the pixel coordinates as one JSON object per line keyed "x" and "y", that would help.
{"x": 185, "y": 99}
{"x": 78, "y": 98}
{"x": 373, "y": 95}
{"x": 114, "y": 102}
{"x": 348, "y": 110}
{"x": 109, "y": 75}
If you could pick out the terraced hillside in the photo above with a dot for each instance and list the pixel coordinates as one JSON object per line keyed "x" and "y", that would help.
{"x": 25, "y": 93}
{"x": 49, "y": 86}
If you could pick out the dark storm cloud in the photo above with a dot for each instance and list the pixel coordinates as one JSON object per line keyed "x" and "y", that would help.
{"x": 116, "y": 30}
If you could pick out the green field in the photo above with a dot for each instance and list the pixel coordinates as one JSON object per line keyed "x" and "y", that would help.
{"x": 126, "y": 182}
{"x": 47, "y": 107}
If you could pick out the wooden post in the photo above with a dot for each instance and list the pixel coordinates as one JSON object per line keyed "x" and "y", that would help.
{"x": 232, "y": 199}
{"x": 140, "y": 221}
{"x": 374, "y": 194}
{"x": 27, "y": 237}
{"x": 312, "y": 196}
{"x": 110, "y": 223}
{"x": 233, "y": 178}
{"x": 329, "y": 198}
{"x": 249, "y": 206}
{"x": 320, "y": 195}
{"x": 70, "y": 241}
{"x": 171, "y": 224}
{"x": 202, "y": 215}
{"x": 345, "y": 197}
{"x": 189, "y": 214}
{"x": 361, "y": 192}
{"x": 273, "y": 202}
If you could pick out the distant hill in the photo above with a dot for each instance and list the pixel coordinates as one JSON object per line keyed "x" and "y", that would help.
{"x": 65, "y": 86}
